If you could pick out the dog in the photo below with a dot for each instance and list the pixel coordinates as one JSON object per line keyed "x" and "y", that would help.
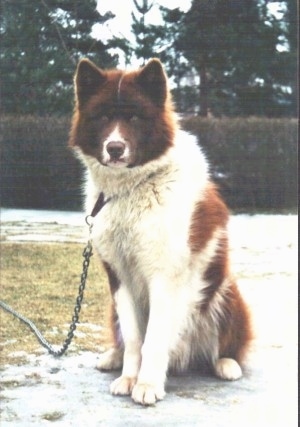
{"x": 160, "y": 232}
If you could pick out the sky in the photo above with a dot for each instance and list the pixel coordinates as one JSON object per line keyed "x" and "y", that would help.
{"x": 121, "y": 24}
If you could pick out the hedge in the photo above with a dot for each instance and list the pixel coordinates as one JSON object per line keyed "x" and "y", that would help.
{"x": 38, "y": 169}
{"x": 253, "y": 160}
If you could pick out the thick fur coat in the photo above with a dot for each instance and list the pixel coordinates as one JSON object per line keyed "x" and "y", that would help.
{"x": 161, "y": 235}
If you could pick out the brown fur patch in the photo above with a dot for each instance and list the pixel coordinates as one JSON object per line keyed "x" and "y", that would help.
{"x": 114, "y": 282}
{"x": 115, "y": 336}
{"x": 208, "y": 215}
{"x": 216, "y": 272}
{"x": 235, "y": 331}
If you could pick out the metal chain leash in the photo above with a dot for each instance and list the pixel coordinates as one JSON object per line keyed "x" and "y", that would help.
{"x": 87, "y": 254}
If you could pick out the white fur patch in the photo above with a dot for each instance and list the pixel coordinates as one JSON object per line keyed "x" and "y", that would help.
{"x": 130, "y": 332}
{"x": 228, "y": 369}
{"x": 183, "y": 164}
{"x": 122, "y": 386}
{"x": 110, "y": 360}
{"x": 147, "y": 394}
{"x": 119, "y": 87}
{"x": 115, "y": 135}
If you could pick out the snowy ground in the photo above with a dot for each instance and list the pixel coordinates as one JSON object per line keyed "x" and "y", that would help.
{"x": 69, "y": 392}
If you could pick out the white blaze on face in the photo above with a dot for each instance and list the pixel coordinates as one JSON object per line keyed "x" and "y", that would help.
{"x": 115, "y": 137}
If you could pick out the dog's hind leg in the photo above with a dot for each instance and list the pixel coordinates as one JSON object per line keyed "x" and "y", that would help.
{"x": 228, "y": 369}
{"x": 111, "y": 359}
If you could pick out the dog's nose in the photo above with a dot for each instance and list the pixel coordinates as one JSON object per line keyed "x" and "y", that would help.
{"x": 115, "y": 149}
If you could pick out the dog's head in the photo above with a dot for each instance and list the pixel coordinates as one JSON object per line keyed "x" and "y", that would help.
{"x": 123, "y": 119}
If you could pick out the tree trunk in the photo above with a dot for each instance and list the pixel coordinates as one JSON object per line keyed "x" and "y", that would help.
{"x": 203, "y": 92}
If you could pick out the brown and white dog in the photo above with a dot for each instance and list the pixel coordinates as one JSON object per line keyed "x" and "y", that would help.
{"x": 161, "y": 234}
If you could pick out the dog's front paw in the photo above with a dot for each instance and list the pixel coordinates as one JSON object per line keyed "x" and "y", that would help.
{"x": 122, "y": 386}
{"x": 110, "y": 360}
{"x": 147, "y": 394}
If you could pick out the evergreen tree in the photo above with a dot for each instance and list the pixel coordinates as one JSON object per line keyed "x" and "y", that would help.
{"x": 286, "y": 72}
{"x": 178, "y": 67}
{"x": 41, "y": 42}
{"x": 143, "y": 33}
{"x": 233, "y": 48}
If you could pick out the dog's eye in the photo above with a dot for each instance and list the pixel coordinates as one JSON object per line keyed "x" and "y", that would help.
{"x": 103, "y": 118}
{"x": 134, "y": 118}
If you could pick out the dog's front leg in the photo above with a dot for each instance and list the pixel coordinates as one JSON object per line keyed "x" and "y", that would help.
{"x": 132, "y": 343}
{"x": 155, "y": 351}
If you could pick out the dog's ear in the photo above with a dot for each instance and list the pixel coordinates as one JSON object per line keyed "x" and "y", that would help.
{"x": 88, "y": 79}
{"x": 153, "y": 81}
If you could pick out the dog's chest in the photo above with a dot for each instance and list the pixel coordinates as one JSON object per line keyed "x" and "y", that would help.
{"x": 122, "y": 229}
{"x": 144, "y": 231}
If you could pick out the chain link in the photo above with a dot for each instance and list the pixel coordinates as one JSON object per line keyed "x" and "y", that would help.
{"x": 87, "y": 254}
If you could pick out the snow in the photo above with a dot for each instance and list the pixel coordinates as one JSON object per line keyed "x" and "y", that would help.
{"x": 42, "y": 216}
{"x": 21, "y": 225}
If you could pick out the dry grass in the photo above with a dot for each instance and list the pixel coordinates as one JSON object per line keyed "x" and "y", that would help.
{"x": 41, "y": 282}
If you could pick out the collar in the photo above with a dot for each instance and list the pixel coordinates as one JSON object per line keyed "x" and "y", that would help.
{"x": 100, "y": 203}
